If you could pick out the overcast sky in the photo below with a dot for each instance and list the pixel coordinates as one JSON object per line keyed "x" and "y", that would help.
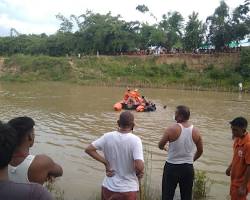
{"x": 38, "y": 16}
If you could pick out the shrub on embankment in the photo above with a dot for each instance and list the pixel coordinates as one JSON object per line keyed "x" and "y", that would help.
{"x": 144, "y": 71}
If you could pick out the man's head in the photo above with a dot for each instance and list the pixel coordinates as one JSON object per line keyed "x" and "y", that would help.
{"x": 239, "y": 126}
{"x": 8, "y": 141}
{"x": 24, "y": 130}
{"x": 182, "y": 113}
{"x": 126, "y": 120}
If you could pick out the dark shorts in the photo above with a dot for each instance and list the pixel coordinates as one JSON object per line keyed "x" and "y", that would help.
{"x": 110, "y": 195}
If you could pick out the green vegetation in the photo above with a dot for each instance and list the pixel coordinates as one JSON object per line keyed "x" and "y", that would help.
{"x": 90, "y": 33}
{"x": 201, "y": 186}
{"x": 125, "y": 70}
{"x": 29, "y": 68}
{"x": 55, "y": 190}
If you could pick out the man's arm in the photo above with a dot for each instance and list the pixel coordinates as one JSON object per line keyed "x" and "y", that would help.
{"x": 92, "y": 151}
{"x": 198, "y": 142}
{"x": 43, "y": 168}
{"x": 139, "y": 168}
{"x": 165, "y": 138}
{"x": 228, "y": 170}
{"x": 138, "y": 158}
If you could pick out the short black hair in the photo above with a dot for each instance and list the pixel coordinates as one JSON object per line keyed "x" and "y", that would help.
{"x": 183, "y": 111}
{"x": 23, "y": 127}
{"x": 239, "y": 122}
{"x": 126, "y": 119}
{"x": 8, "y": 142}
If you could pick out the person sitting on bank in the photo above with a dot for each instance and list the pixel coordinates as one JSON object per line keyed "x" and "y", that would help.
{"x": 8, "y": 189}
{"x": 24, "y": 167}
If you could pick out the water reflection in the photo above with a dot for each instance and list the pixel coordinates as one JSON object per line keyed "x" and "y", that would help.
{"x": 68, "y": 117}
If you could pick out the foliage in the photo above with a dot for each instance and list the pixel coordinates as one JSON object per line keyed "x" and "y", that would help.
{"x": 194, "y": 33}
{"x": 172, "y": 24}
{"x": 225, "y": 28}
{"x": 124, "y": 70}
{"x": 201, "y": 185}
{"x": 244, "y": 67}
{"x": 91, "y": 33}
{"x": 142, "y": 8}
{"x": 56, "y": 192}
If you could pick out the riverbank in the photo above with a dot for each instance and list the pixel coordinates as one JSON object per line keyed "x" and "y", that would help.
{"x": 219, "y": 72}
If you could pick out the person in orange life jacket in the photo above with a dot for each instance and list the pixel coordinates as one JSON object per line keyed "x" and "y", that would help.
{"x": 8, "y": 189}
{"x": 185, "y": 147}
{"x": 239, "y": 169}
{"x": 24, "y": 167}
{"x": 126, "y": 95}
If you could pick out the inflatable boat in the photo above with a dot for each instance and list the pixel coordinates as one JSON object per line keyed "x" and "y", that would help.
{"x": 133, "y": 101}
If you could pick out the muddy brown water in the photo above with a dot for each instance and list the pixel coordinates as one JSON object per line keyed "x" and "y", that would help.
{"x": 68, "y": 117}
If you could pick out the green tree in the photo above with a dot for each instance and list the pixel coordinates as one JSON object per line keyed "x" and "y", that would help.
{"x": 172, "y": 25}
{"x": 151, "y": 36}
{"x": 224, "y": 28}
{"x": 219, "y": 26}
{"x": 194, "y": 32}
{"x": 240, "y": 24}
{"x": 66, "y": 24}
{"x": 142, "y": 8}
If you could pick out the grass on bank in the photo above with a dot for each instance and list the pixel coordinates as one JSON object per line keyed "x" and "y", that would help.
{"x": 124, "y": 70}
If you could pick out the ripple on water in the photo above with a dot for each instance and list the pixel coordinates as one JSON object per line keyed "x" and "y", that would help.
{"x": 65, "y": 126}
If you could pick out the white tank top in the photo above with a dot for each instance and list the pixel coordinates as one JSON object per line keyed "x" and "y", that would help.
{"x": 19, "y": 174}
{"x": 182, "y": 150}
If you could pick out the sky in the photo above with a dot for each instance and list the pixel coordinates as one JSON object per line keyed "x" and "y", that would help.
{"x": 38, "y": 16}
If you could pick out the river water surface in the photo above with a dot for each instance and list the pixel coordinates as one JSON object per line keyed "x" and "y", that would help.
{"x": 68, "y": 117}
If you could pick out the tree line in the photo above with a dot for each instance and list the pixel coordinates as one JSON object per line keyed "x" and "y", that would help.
{"x": 92, "y": 32}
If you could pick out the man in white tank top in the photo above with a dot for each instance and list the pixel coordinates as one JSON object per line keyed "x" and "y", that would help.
{"x": 8, "y": 189}
{"x": 123, "y": 160}
{"x": 25, "y": 168}
{"x": 185, "y": 147}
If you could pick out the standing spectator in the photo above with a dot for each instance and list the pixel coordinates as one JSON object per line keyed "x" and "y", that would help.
{"x": 24, "y": 167}
{"x": 182, "y": 137}
{"x": 239, "y": 169}
{"x": 8, "y": 189}
{"x": 123, "y": 160}
{"x": 240, "y": 87}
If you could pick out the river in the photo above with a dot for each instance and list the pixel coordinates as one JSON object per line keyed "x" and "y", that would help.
{"x": 69, "y": 116}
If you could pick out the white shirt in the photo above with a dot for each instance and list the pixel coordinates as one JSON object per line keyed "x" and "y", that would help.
{"x": 120, "y": 150}
{"x": 19, "y": 174}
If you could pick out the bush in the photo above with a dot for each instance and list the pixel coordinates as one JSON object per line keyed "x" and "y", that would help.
{"x": 244, "y": 68}
{"x": 201, "y": 185}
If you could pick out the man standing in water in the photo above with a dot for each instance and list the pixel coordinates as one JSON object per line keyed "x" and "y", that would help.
{"x": 182, "y": 138}
{"x": 239, "y": 169}
{"x": 24, "y": 167}
{"x": 123, "y": 160}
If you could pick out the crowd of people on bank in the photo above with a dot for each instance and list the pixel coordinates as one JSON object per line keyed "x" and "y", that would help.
{"x": 23, "y": 174}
